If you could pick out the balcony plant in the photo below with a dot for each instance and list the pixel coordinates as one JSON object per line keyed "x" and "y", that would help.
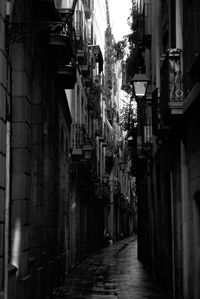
{"x": 94, "y": 99}
{"x": 128, "y": 117}
{"x": 129, "y": 49}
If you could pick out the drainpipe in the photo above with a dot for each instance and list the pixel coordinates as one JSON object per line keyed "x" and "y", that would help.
{"x": 179, "y": 25}
{"x": 173, "y": 235}
{"x": 185, "y": 205}
{"x": 7, "y": 209}
{"x": 7, "y": 172}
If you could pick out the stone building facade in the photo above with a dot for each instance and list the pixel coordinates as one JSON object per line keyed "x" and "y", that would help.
{"x": 169, "y": 236}
{"x": 3, "y": 96}
{"x": 55, "y": 200}
{"x": 44, "y": 218}
{"x": 38, "y": 176}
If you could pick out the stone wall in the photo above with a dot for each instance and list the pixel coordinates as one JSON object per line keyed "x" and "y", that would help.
{"x": 191, "y": 216}
{"x": 40, "y": 131}
{"x": 3, "y": 94}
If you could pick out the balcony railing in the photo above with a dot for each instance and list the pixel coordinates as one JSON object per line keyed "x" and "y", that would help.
{"x": 79, "y": 28}
{"x": 87, "y": 8}
{"x": 61, "y": 45}
{"x": 96, "y": 57}
{"x": 81, "y": 38}
{"x": 82, "y": 55}
{"x": 78, "y": 134}
{"x": 171, "y": 96}
{"x": 85, "y": 69}
{"x": 97, "y": 127}
{"x": 102, "y": 191}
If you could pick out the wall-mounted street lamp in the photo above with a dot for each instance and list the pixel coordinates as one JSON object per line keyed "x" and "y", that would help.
{"x": 140, "y": 83}
{"x": 87, "y": 151}
{"x": 65, "y": 6}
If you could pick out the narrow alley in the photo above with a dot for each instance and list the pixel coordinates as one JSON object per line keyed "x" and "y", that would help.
{"x": 99, "y": 143}
{"x": 112, "y": 273}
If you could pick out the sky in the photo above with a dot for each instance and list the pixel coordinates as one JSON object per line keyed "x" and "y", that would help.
{"x": 119, "y": 13}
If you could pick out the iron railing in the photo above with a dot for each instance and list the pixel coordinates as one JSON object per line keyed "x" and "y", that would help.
{"x": 171, "y": 81}
{"x": 87, "y": 8}
{"x": 78, "y": 133}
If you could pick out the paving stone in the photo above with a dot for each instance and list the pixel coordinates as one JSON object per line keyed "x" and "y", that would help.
{"x": 113, "y": 273}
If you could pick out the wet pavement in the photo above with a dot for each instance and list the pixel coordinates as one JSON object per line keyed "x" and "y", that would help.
{"x": 112, "y": 273}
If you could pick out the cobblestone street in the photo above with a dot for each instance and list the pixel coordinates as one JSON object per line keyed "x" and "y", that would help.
{"x": 113, "y": 273}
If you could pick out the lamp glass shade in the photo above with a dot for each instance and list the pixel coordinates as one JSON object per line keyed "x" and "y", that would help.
{"x": 140, "y": 88}
{"x": 64, "y": 4}
{"x": 140, "y": 83}
{"x": 87, "y": 151}
{"x": 130, "y": 138}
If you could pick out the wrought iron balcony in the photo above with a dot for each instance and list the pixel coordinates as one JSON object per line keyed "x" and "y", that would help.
{"x": 87, "y": 8}
{"x": 96, "y": 57}
{"x": 97, "y": 127}
{"x": 102, "y": 191}
{"x": 88, "y": 81}
{"x": 171, "y": 95}
{"x": 78, "y": 133}
{"x": 49, "y": 15}
{"x": 122, "y": 164}
{"x": 61, "y": 45}
{"x": 78, "y": 140}
{"x": 89, "y": 33}
{"x": 79, "y": 29}
{"x": 85, "y": 69}
{"x": 52, "y": 20}
{"x": 116, "y": 186}
{"x": 81, "y": 38}
{"x": 144, "y": 144}
{"x": 111, "y": 146}
{"x": 66, "y": 76}
{"x": 91, "y": 62}
{"x": 82, "y": 55}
